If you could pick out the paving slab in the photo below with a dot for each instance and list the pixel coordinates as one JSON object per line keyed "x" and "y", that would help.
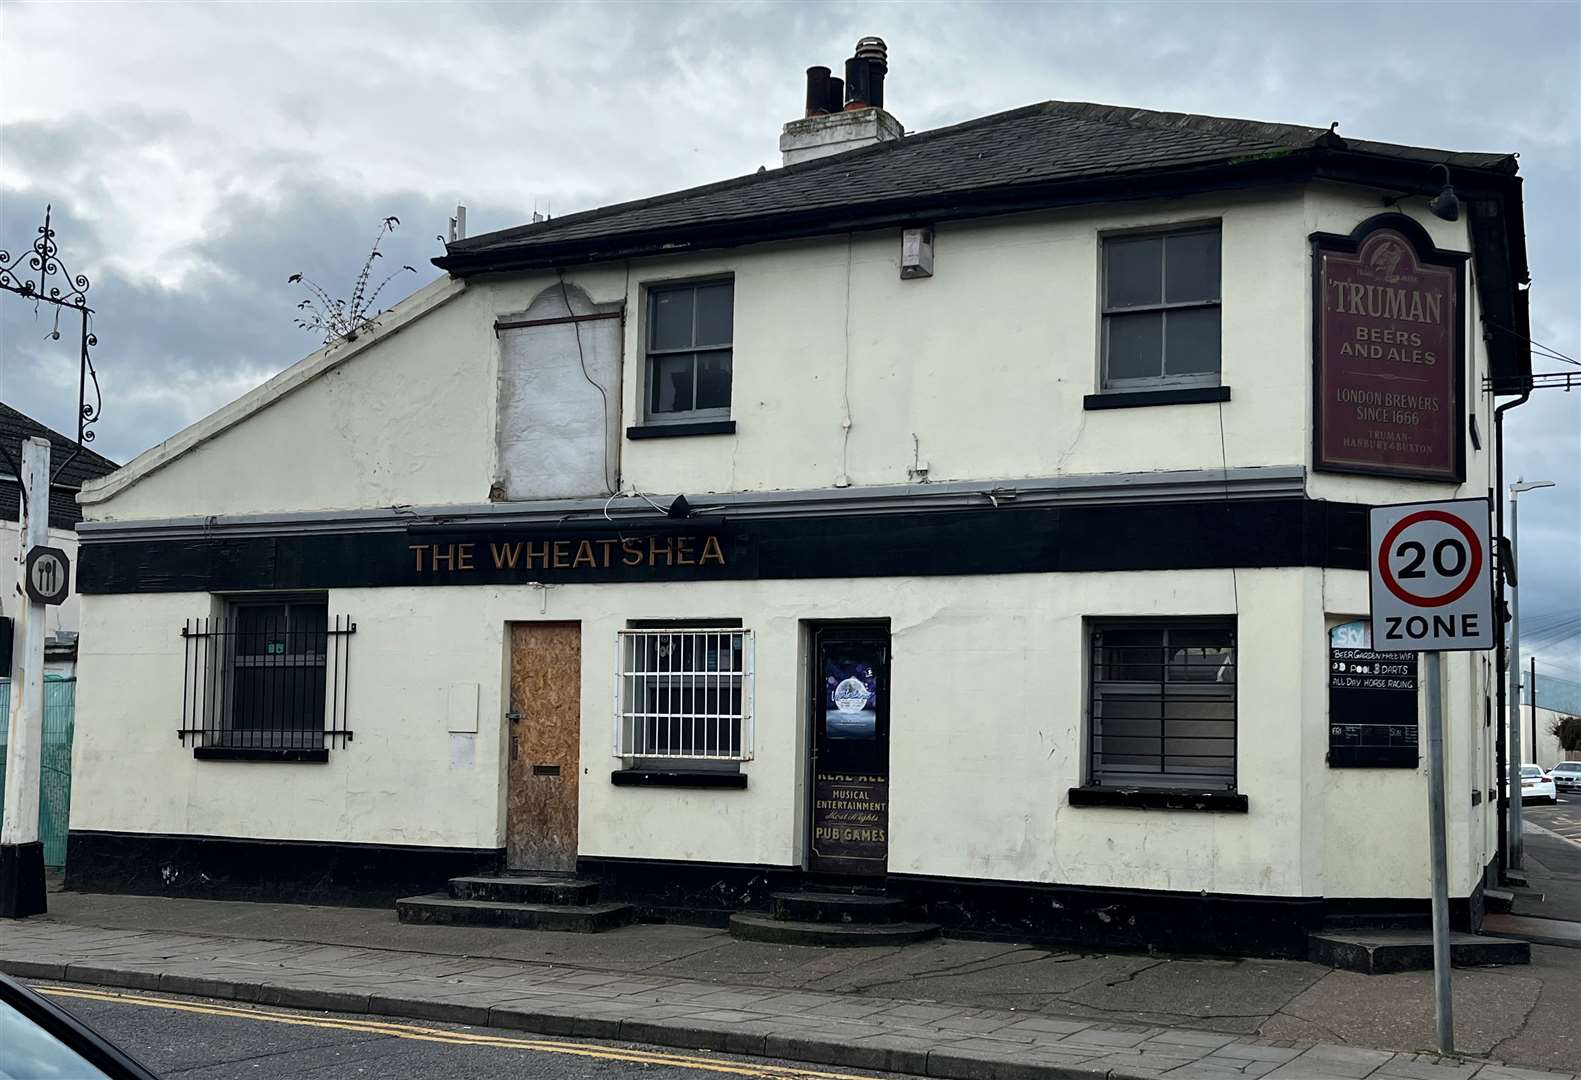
{"x": 909, "y": 1015}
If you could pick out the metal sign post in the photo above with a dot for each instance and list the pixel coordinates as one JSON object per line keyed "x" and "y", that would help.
{"x": 1431, "y": 591}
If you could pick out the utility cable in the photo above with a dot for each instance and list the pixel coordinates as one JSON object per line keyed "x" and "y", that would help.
{"x": 581, "y": 357}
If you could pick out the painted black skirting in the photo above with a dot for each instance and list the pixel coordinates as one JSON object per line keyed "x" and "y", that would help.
{"x": 1215, "y": 534}
{"x": 675, "y": 431}
{"x": 1229, "y": 802}
{"x": 700, "y": 893}
{"x": 288, "y": 871}
{"x": 250, "y": 753}
{"x": 1192, "y": 395}
{"x": 657, "y": 778}
{"x": 1088, "y": 916}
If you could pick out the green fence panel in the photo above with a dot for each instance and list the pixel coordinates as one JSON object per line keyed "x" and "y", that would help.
{"x": 60, "y": 717}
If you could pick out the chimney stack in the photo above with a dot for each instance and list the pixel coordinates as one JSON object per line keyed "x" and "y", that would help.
{"x": 843, "y": 114}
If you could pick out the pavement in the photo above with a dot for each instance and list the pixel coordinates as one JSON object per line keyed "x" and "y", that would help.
{"x": 960, "y": 1009}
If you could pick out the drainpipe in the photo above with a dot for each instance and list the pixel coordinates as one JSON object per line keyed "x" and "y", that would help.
{"x": 1501, "y": 658}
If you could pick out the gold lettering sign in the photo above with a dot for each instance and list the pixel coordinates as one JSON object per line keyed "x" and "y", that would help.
{"x": 572, "y": 555}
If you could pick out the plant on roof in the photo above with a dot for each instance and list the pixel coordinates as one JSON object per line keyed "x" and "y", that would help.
{"x": 343, "y": 320}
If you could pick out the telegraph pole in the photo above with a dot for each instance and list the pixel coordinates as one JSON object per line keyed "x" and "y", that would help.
{"x": 21, "y": 851}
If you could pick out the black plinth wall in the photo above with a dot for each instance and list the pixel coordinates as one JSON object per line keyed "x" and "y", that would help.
{"x": 22, "y": 880}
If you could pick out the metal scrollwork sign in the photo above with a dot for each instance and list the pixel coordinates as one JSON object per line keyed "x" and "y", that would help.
{"x": 36, "y": 273}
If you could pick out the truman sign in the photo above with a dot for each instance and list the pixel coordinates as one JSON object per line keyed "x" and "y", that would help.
{"x": 1388, "y": 349}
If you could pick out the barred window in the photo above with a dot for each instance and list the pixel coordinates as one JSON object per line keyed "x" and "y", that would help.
{"x": 1163, "y": 704}
{"x": 684, "y": 693}
{"x": 267, "y": 680}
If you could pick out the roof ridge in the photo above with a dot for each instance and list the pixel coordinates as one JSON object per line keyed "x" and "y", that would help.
{"x": 474, "y": 243}
{"x": 56, "y": 436}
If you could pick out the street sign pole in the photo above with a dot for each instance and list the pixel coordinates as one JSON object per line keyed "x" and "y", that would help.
{"x": 1443, "y": 999}
{"x": 1431, "y": 592}
{"x": 1512, "y": 782}
{"x": 21, "y": 852}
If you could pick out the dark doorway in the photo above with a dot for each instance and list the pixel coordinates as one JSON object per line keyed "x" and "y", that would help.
{"x": 849, "y": 705}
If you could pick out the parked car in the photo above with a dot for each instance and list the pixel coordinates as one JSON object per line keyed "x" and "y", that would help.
{"x": 40, "y": 1039}
{"x": 1566, "y": 775}
{"x": 1537, "y": 785}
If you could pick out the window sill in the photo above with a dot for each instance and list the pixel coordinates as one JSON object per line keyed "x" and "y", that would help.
{"x": 676, "y": 431}
{"x": 1373, "y": 757}
{"x": 677, "y": 779}
{"x": 1130, "y": 399}
{"x": 248, "y": 753}
{"x": 1229, "y": 802}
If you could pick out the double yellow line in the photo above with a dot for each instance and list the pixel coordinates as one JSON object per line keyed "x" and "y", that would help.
{"x": 453, "y": 1038}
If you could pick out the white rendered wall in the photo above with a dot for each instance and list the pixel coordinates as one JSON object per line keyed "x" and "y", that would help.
{"x": 979, "y": 372}
{"x": 988, "y": 721}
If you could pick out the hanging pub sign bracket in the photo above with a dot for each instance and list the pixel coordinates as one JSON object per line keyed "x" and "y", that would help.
{"x": 1388, "y": 352}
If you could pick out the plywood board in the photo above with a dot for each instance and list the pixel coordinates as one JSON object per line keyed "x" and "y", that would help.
{"x": 545, "y": 758}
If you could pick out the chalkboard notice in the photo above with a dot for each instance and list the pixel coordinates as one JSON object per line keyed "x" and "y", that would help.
{"x": 1371, "y": 704}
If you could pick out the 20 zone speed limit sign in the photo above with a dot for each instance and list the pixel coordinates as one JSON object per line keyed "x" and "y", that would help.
{"x": 1432, "y": 586}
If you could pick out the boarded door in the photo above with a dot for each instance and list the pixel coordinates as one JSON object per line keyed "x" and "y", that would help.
{"x": 545, "y": 721}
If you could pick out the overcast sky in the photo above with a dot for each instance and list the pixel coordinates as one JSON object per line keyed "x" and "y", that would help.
{"x": 198, "y": 155}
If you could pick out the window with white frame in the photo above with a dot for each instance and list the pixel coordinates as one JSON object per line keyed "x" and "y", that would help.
{"x": 1162, "y": 696}
{"x": 684, "y": 693}
{"x": 689, "y": 348}
{"x": 1161, "y": 309}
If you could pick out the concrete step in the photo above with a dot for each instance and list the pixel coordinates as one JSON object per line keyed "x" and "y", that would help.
{"x": 1378, "y": 920}
{"x": 525, "y": 889}
{"x": 840, "y": 908}
{"x": 830, "y": 935}
{"x": 1538, "y": 931}
{"x": 1497, "y": 901}
{"x": 1378, "y": 952}
{"x": 576, "y": 918}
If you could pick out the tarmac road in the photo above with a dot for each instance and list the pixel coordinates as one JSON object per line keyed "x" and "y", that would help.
{"x": 1563, "y": 817}
{"x": 199, "y": 1039}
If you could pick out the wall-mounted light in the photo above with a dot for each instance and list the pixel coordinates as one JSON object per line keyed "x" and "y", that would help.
{"x": 1445, "y": 204}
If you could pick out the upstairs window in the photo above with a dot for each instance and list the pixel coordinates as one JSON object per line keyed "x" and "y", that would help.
{"x": 689, "y": 351}
{"x": 1161, "y": 309}
{"x": 1162, "y": 694}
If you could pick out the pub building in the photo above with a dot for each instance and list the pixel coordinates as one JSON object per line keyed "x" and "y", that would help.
{"x": 970, "y": 521}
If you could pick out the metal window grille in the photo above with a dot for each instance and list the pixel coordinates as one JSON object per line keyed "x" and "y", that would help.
{"x": 684, "y": 694}
{"x": 271, "y": 676}
{"x": 1163, "y": 705}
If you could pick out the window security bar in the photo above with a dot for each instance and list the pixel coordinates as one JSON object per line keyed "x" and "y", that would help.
{"x": 266, "y": 684}
{"x": 1163, "y": 713}
{"x": 684, "y": 694}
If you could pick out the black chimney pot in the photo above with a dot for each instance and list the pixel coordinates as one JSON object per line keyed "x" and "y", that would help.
{"x": 857, "y": 83}
{"x": 817, "y": 90}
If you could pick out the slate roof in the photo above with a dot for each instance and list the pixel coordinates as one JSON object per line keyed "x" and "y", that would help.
{"x": 1048, "y": 143}
{"x": 64, "y": 513}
